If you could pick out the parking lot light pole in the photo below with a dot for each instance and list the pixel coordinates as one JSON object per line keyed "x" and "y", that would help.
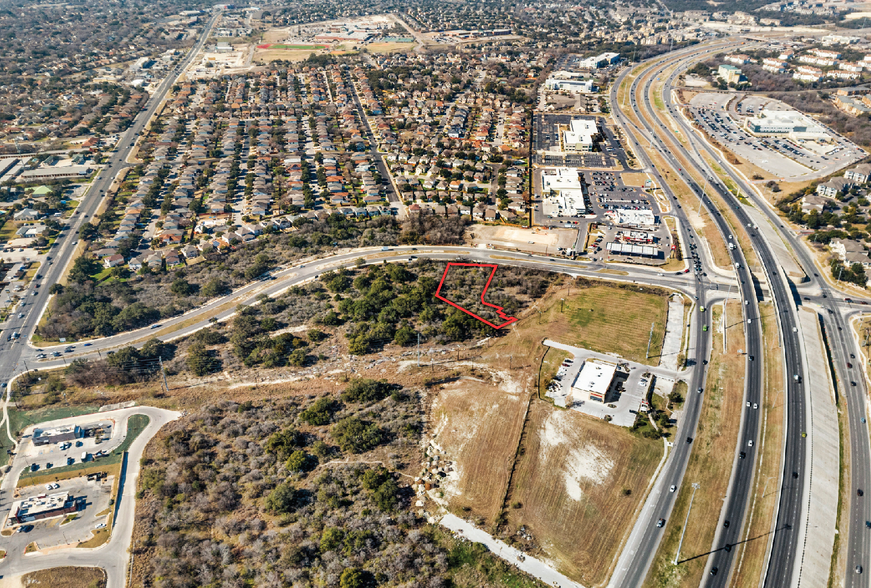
{"x": 684, "y": 530}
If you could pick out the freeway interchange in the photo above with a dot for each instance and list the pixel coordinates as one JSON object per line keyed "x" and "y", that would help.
{"x": 683, "y": 150}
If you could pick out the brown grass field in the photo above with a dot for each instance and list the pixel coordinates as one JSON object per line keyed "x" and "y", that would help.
{"x": 634, "y": 179}
{"x": 571, "y": 482}
{"x": 751, "y": 555}
{"x": 64, "y": 577}
{"x": 389, "y": 47}
{"x": 270, "y": 55}
{"x": 478, "y": 424}
{"x": 595, "y": 316}
{"x": 710, "y": 463}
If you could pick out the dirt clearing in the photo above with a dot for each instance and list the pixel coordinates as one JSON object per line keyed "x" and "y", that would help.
{"x": 477, "y": 421}
{"x": 634, "y": 179}
{"x": 536, "y": 240}
{"x": 577, "y": 484}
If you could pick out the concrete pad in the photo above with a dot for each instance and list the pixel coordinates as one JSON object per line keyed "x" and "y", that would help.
{"x": 671, "y": 344}
{"x": 824, "y": 444}
{"x": 772, "y": 237}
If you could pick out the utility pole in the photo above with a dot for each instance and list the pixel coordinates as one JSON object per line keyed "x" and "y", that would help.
{"x": 26, "y": 368}
{"x": 418, "y": 350}
{"x": 163, "y": 373}
{"x": 650, "y": 339}
{"x": 684, "y": 530}
{"x": 561, "y": 302}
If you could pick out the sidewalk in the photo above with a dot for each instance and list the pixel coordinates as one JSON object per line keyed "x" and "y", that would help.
{"x": 515, "y": 557}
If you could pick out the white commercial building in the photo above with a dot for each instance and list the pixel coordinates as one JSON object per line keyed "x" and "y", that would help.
{"x": 571, "y": 85}
{"x": 594, "y": 381}
{"x": 581, "y": 136}
{"x": 785, "y": 122}
{"x": 602, "y": 60}
{"x": 627, "y": 216}
{"x": 562, "y": 188}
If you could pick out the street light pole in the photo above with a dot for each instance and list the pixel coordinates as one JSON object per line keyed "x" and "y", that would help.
{"x": 684, "y": 530}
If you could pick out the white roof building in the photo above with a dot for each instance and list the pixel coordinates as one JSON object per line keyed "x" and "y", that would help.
{"x": 785, "y": 122}
{"x": 581, "y": 136}
{"x": 562, "y": 185}
{"x": 594, "y": 380}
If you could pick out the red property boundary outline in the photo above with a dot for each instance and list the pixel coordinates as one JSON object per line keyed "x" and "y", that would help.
{"x": 493, "y": 267}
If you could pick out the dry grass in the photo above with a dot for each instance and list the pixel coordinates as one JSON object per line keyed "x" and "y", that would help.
{"x": 604, "y": 318}
{"x": 110, "y": 469}
{"x": 66, "y": 577}
{"x": 389, "y": 47}
{"x": 98, "y": 538}
{"x": 270, "y": 55}
{"x": 634, "y": 179}
{"x": 549, "y": 366}
{"x": 570, "y": 485}
{"x": 710, "y": 463}
{"x": 751, "y": 555}
{"x": 478, "y": 425}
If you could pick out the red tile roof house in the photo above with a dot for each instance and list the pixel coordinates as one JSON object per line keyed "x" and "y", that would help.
{"x": 113, "y": 261}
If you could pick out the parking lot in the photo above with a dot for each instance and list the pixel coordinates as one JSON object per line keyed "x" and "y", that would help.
{"x": 605, "y": 191}
{"x": 722, "y": 117}
{"x": 46, "y": 457}
{"x": 633, "y": 382}
{"x": 92, "y": 509}
{"x": 546, "y": 144}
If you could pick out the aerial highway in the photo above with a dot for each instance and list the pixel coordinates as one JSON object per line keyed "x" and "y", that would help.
{"x": 644, "y": 552}
{"x": 739, "y": 492}
{"x": 851, "y": 387}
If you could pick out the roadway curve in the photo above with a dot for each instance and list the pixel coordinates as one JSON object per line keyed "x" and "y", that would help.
{"x": 13, "y": 354}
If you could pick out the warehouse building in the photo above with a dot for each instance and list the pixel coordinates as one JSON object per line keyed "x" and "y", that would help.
{"x": 593, "y": 382}
{"x": 43, "y": 507}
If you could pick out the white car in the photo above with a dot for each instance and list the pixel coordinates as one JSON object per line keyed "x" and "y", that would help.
{"x": 673, "y": 488}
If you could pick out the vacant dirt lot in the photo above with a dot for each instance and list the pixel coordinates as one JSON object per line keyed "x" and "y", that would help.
{"x": 477, "y": 421}
{"x": 577, "y": 485}
{"x": 634, "y": 179}
{"x": 537, "y": 240}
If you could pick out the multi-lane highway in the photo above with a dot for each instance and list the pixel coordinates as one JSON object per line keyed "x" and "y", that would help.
{"x": 851, "y": 387}
{"x": 743, "y": 471}
{"x": 792, "y": 491}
